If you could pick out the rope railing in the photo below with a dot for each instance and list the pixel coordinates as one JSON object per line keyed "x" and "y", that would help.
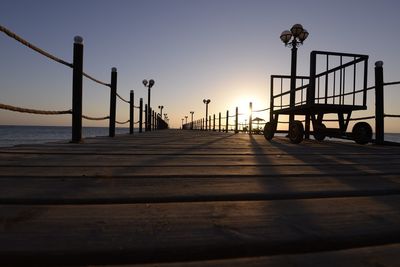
{"x": 124, "y": 100}
{"x": 95, "y": 80}
{"x": 392, "y": 116}
{"x": 95, "y": 119}
{"x": 33, "y": 47}
{"x": 124, "y": 122}
{"x": 261, "y": 110}
{"x": 34, "y": 111}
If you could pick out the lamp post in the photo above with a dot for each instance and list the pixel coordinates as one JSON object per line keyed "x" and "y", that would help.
{"x": 191, "y": 124}
{"x": 161, "y": 108}
{"x": 186, "y": 119}
{"x": 182, "y": 123}
{"x": 206, "y": 101}
{"x": 293, "y": 39}
{"x": 148, "y": 84}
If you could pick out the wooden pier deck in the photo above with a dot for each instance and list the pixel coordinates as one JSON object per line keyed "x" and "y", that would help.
{"x": 191, "y": 198}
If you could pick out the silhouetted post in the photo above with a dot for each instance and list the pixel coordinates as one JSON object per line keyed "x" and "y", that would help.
{"x": 227, "y": 121}
{"x": 214, "y": 122}
{"x": 77, "y": 90}
{"x": 209, "y": 123}
{"x": 191, "y": 124}
{"x": 379, "y": 108}
{"x": 251, "y": 118}
{"x": 145, "y": 118}
{"x": 202, "y": 124}
{"x": 141, "y": 115}
{"x": 113, "y": 101}
{"x": 150, "y": 121}
{"x": 237, "y": 120}
{"x": 219, "y": 122}
{"x": 131, "y": 110}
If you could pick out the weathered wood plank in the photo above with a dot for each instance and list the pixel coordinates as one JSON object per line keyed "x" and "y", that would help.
{"x": 80, "y": 234}
{"x": 75, "y": 190}
{"x": 387, "y": 255}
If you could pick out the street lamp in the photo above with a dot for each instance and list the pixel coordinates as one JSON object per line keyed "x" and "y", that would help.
{"x": 148, "y": 84}
{"x": 161, "y": 108}
{"x": 191, "y": 124}
{"x": 206, "y": 101}
{"x": 293, "y": 38}
{"x": 182, "y": 123}
{"x": 186, "y": 119}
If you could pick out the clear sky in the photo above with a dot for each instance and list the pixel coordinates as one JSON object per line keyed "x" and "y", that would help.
{"x": 224, "y": 50}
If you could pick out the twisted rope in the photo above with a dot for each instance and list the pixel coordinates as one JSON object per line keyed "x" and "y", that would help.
{"x": 95, "y": 80}
{"x": 95, "y": 119}
{"x": 261, "y": 110}
{"x": 122, "y": 122}
{"x": 33, "y": 47}
{"x": 33, "y": 111}
{"x": 392, "y": 116}
{"x": 120, "y": 97}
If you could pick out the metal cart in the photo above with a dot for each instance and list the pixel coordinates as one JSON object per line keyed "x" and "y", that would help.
{"x": 337, "y": 86}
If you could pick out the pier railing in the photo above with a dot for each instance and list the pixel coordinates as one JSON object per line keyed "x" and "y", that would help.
{"x": 238, "y": 123}
{"x": 156, "y": 122}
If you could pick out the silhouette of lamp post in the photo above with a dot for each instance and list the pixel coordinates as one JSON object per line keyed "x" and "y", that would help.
{"x": 186, "y": 119}
{"x": 206, "y": 101}
{"x": 191, "y": 124}
{"x": 148, "y": 84}
{"x": 182, "y": 122}
{"x": 293, "y": 39}
{"x": 161, "y": 108}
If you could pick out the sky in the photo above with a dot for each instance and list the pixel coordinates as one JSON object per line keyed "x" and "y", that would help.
{"x": 222, "y": 50}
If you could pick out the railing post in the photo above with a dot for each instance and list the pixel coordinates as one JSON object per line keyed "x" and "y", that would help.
{"x": 113, "y": 101}
{"x": 145, "y": 118}
{"x": 141, "y": 115}
{"x": 237, "y": 120}
{"x": 77, "y": 90}
{"x": 209, "y": 122}
{"x": 379, "y": 106}
{"x": 131, "y": 113}
{"x": 227, "y": 121}
{"x": 214, "y": 122}
{"x": 251, "y": 118}
{"x": 219, "y": 122}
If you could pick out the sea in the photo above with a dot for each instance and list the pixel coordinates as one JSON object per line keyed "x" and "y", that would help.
{"x": 23, "y": 135}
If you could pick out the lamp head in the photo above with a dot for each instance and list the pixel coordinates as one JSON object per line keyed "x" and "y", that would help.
{"x": 145, "y": 82}
{"x": 303, "y": 35}
{"x": 285, "y": 36}
{"x": 296, "y": 30}
{"x": 151, "y": 82}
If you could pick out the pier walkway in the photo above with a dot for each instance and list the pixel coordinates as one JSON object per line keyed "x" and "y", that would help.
{"x": 194, "y": 198}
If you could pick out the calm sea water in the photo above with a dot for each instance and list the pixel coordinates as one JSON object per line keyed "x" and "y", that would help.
{"x": 16, "y": 135}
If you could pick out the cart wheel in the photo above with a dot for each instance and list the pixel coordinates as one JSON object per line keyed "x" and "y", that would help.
{"x": 296, "y": 132}
{"x": 319, "y": 132}
{"x": 269, "y": 130}
{"x": 362, "y": 133}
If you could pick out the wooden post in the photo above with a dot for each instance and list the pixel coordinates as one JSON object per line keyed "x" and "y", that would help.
{"x": 145, "y": 118}
{"x": 227, "y": 121}
{"x": 131, "y": 113}
{"x": 379, "y": 105}
{"x": 251, "y": 118}
{"x": 219, "y": 122}
{"x": 113, "y": 102}
{"x": 214, "y": 122}
{"x": 141, "y": 115}
{"x": 77, "y": 90}
{"x": 237, "y": 120}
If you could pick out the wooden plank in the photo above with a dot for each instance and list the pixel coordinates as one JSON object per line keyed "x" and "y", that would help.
{"x": 83, "y": 234}
{"x": 76, "y": 190}
{"x": 387, "y": 255}
{"x": 199, "y": 170}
